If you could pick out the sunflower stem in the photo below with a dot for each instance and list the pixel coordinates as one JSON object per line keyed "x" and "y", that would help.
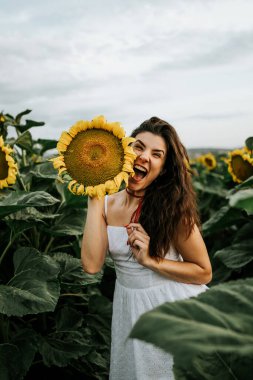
{"x": 21, "y": 180}
{"x": 6, "y": 248}
{"x": 49, "y": 244}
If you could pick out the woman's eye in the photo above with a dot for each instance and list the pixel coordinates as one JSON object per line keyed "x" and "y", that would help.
{"x": 137, "y": 147}
{"x": 157, "y": 155}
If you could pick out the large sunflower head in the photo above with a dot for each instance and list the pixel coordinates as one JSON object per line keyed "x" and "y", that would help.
{"x": 95, "y": 157}
{"x": 208, "y": 160}
{"x": 240, "y": 165}
{"x": 8, "y": 167}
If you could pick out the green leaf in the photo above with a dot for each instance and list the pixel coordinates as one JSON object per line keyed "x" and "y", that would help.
{"x": 237, "y": 255}
{"x": 10, "y": 362}
{"x": 29, "y": 214}
{"x": 29, "y": 124}
{"x": 246, "y": 184}
{"x": 34, "y": 288}
{"x": 71, "y": 223}
{"x": 44, "y": 170}
{"x": 243, "y": 199}
{"x": 18, "y": 200}
{"x": 59, "y": 349}
{"x": 19, "y": 116}
{"x": 68, "y": 319}
{"x": 27, "y": 342}
{"x": 69, "y": 199}
{"x": 224, "y": 217}
{"x": 24, "y": 141}
{"x": 218, "y": 323}
{"x": 71, "y": 270}
{"x": 47, "y": 144}
{"x": 244, "y": 233}
{"x": 249, "y": 143}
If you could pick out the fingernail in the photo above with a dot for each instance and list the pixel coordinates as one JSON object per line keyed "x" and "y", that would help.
{"x": 126, "y": 225}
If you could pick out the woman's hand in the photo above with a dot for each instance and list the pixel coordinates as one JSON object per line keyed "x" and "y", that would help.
{"x": 138, "y": 240}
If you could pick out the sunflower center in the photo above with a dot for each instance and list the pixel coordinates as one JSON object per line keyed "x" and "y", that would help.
{"x": 242, "y": 169}
{"x": 94, "y": 156}
{"x": 209, "y": 162}
{"x": 3, "y": 165}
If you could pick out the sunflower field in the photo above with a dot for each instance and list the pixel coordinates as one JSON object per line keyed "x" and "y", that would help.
{"x": 55, "y": 319}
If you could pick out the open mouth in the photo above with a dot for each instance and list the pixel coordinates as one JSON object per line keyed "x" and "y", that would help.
{"x": 140, "y": 172}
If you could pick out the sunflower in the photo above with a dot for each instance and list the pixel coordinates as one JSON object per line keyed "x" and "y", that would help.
{"x": 95, "y": 157}
{"x": 240, "y": 165}
{"x": 8, "y": 167}
{"x": 208, "y": 160}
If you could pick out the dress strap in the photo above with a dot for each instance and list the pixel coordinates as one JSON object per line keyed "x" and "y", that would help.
{"x": 105, "y": 206}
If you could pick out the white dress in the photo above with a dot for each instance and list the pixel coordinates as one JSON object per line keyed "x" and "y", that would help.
{"x": 137, "y": 290}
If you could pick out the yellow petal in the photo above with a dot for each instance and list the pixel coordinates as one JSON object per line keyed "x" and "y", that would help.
{"x": 118, "y": 179}
{"x": 100, "y": 190}
{"x": 117, "y": 130}
{"x": 65, "y": 138}
{"x": 127, "y": 140}
{"x": 80, "y": 190}
{"x": 90, "y": 191}
{"x": 111, "y": 187}
{"x": 3, "y": 183}
{"x": 1, "y": 141}
{"x": 62, "y": 170}
{"x": 71, "y": 183}
{"x": 58, "y": 162}
{"x": 61, "y": 147}
{"x": 98, "y": 122}
{"x": 127, "y": 167}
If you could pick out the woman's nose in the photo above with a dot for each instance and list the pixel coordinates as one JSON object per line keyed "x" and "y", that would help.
{"x": 144, "y": 156}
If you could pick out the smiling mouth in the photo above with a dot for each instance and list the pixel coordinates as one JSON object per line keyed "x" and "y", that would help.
{"x": 140, "y": 172}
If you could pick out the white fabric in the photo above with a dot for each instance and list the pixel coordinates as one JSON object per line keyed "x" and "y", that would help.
{"x": 137, "y": 290}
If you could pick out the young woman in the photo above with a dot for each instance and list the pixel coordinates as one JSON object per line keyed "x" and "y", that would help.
{"x": 151, "y": 230}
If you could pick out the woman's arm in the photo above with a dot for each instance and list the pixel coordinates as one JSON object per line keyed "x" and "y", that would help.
{"x": 196, "y": 267}
{"x": 95, "y": 241}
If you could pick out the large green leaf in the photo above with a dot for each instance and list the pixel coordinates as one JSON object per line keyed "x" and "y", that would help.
{"x": 18, "y": 200}
{"x": 224, "y": 217}
{"x": 44, "y": 170}
{"x": 10, "y": 362}
{"x": 29, "y": 124}
{"x": 47, "y": 144}
{"x": 237, "y": 255}
{"x": 243, "y": 199}
{"x": 71, "y": 223}
{"x": 27, "y": 342}
{"x": 69, "y": 199}
{"x": 34, "y": 288}
{"x": 24, "y": 141}
{"x": 71, "y": 271}
{"x": 59, "y": 349}
{"x": 218, "y": 323}
{"x": 19, "y": 116}
{"x": 244, "y": 233}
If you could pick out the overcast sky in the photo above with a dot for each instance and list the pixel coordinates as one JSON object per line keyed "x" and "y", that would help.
{"x": 187, "y": 61}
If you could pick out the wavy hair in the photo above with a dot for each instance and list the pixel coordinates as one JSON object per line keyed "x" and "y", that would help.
{"x": 170, "y": 199}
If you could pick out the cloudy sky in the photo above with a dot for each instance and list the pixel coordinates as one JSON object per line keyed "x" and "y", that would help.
{"x": 187, "y": 61}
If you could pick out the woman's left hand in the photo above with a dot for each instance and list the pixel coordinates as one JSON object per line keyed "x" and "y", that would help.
{"x": 138, "y": 240}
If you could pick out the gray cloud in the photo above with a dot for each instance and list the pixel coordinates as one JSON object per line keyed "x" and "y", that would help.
{"x": 188, "y": 62}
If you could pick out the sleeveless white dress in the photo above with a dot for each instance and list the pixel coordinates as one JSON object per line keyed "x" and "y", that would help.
{"x": 137, "y": 290}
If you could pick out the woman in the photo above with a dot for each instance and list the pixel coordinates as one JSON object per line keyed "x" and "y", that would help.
{"x": 151, "y": 230}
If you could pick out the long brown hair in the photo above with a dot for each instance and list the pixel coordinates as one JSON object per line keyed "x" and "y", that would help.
{"x": 170, "y": 199}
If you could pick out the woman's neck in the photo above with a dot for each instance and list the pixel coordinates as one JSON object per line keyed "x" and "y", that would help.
{"x": 134, "y": 194}
{"x": 133, "y": 197}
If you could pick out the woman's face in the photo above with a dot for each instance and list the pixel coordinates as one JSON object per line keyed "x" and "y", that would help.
{"x": 151, "y": 153}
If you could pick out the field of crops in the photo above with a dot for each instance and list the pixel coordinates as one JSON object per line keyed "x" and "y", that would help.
{"x": 55, "y": 319}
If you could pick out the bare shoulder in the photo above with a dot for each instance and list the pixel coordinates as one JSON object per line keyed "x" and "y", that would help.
{"x": 115, "y": 199}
